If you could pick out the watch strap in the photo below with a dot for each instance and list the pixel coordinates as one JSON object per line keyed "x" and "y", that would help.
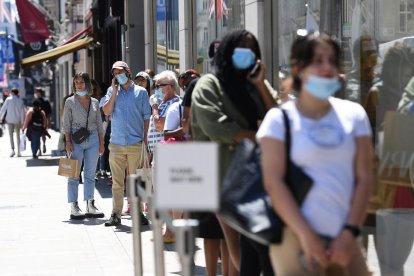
{"x": 355, "y": 230}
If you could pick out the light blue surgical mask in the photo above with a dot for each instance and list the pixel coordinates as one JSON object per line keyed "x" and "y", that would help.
{"x": 322, "y": 88}
{"x": 243, "y": 58}
{"x": 81, "y": 93}
{"x": 122, "y": 78}
{"x": 158, "y": 94}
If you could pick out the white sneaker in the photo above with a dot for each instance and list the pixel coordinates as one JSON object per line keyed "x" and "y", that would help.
{"x": 92, "y": 211}
{"x": 75, "y": 211}
{"x": 12, "y": 153}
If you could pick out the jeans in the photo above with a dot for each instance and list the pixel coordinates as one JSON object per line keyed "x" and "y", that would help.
{"x": 14, "y": 128}
{"x": 88, "y": 151}
{"x": 35, "y": 143}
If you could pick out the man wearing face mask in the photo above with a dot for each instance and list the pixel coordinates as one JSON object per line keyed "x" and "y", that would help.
{"x": 128, "y": 104}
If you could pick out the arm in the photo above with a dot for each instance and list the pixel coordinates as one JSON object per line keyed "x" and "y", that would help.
{"x": 108, "y": 107}
{"x": 258, "y": 81}
{"x": 28, "y": 119}
{"x": 100, "y": 130}
{"x": 159, "y": 124}
{"x": 344, "y": 245}
{"x": 3, "y": 108}
{"x": 146, "y": 126}
{"x": 274, "y": 167}
{"x": 186, "y": 120}
{"x": 44, "y": 119}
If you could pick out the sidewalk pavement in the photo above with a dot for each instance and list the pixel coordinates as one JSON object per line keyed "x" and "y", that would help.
{"x": 38, "y": 238}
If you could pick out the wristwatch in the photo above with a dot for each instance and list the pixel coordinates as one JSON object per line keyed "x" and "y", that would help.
{"x": 355, "y": 230}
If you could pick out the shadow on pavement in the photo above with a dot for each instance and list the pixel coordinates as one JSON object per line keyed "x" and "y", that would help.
{"x": 86, "y": 221}
{"x": 199, "y": 270}
{"x": 42, "y": 162}
{"x": 103, "y": 188}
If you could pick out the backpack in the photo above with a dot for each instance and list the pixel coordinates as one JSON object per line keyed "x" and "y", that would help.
{"x": 37, "y": 121}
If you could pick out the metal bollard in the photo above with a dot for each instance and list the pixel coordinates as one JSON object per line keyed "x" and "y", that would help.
{"x": 185, "y": 238}
{"x": 157, "y": 224}
{"x": 134, "y": 181}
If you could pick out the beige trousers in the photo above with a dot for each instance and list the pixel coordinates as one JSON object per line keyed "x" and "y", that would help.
{"x": 122, "y": 158}
{"x": 286, "y": 260}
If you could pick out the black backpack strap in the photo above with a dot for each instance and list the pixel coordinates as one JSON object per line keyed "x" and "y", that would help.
{"x": 87, "y": 116}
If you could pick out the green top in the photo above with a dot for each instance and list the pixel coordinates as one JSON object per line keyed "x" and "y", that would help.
{"x": 215, "y": 118}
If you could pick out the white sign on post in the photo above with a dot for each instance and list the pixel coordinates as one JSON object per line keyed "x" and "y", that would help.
{"x": 186, "y": 176}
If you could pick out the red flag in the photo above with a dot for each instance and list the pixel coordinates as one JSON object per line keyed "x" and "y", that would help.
{"x": 32, "y": 22}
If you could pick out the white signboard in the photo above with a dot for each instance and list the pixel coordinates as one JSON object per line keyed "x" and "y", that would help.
{"x": 186, "y": 176}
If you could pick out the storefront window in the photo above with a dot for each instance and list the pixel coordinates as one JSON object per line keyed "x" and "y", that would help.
{"x": 377, "y": 41}
{"x": 214, "y": 18}
{"x": 167, "y": 35}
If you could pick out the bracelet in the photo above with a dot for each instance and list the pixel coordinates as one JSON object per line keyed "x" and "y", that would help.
{"x": 355, "y": 230}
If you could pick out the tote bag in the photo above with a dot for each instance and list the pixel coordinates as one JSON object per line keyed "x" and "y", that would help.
{"x": 145, "y": 172}
{"x": 245, "y": 205}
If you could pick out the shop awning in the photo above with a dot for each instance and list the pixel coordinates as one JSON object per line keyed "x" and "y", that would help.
{"x": 57, "y": 52}
{"x": 75, "y": 37}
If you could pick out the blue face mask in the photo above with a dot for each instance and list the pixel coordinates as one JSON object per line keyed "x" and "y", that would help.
{"x": 81, "y": 93}
{"x": 122, "y": 78}
{"x": 243, "y": 58}
{"x": 158, "y": 94}
{"x": 322, "y": 88}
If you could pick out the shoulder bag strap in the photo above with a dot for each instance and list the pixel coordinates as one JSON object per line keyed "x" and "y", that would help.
{"x": 181, "y": 115}
{"x": 287, "y": 134}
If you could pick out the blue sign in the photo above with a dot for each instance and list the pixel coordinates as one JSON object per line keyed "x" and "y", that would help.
{"x": 167, "y": 9}
{"x": 6, "y": 51}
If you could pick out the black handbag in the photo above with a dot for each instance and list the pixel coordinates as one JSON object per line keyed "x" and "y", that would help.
{"x": 245, "y": 205}
{"x": 83, "y": 133}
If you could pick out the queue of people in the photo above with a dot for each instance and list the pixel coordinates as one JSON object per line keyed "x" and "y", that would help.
{"x": 331, "y": 140}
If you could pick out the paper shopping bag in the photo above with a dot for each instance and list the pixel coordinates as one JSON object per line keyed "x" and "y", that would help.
{"x": 69, "y": 167}
{"x": 145, "y": 170}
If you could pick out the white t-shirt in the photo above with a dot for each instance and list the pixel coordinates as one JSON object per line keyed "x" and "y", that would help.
{"x": 173, "y": 118}
{"x": 325, "y": 149}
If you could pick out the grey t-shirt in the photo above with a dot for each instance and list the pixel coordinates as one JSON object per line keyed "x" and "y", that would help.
{"x": 74, "y": 116}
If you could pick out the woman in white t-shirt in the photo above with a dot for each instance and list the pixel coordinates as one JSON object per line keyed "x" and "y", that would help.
{"x": 331, "y": 143}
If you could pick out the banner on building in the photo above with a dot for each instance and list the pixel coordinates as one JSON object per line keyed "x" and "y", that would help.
{"x": 32, "y": 22}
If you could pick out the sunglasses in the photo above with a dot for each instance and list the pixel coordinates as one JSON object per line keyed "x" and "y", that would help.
{"x": 161, "y": 85}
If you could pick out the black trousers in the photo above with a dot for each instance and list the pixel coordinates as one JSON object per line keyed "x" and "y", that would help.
{"x": 254, "y": 258}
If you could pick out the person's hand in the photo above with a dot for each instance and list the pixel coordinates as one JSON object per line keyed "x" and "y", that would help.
{"x": 114, "y": 84}
{"x": 101, "y": 149}
{"x": 157, "y": 117}
{"x": 69, "y": 147}
{"x": 313, "y": 249}
{"x": 342, "y": 248}
{"x": 258, "y": 78}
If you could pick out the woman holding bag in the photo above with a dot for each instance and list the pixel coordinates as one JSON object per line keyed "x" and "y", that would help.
{"x": 331, "y": 142}
{"x": 84, "y": 136}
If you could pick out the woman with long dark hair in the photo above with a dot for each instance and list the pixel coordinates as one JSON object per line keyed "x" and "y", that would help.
{"x": 227, "y": 106}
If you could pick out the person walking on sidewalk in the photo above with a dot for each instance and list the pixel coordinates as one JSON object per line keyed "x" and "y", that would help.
{"x": 46, "y": 107}
{"x": 81, "y": 113}
{"x": 14, "y": 112}
{"x": 128, "y": 104}
{"x": 35, "y": 123}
